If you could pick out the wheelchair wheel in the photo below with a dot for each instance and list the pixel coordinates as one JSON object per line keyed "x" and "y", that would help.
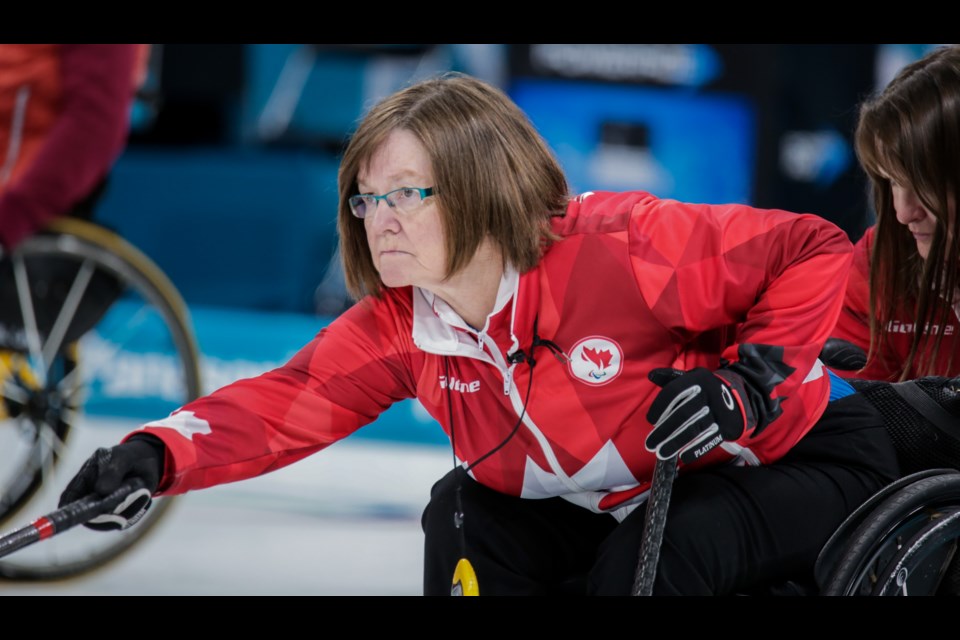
{"x": 94, "y": 342}
{"x": 920, "y": 565}
{"x": 905, "y": 545}
{"x": 837, "y": 545}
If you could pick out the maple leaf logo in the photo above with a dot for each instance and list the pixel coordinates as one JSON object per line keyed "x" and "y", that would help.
{"x": 596, "y": 360}
{"x": 600, "y": 358}
{"x": 186, "y": 423}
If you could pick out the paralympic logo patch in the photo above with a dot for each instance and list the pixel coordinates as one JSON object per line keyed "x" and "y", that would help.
{"x": 596, "y": 360}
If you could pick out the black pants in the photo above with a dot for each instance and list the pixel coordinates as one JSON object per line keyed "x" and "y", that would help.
{"x": 729, "y": 529}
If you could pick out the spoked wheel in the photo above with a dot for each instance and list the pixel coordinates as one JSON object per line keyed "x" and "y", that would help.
{"x": 906, "y": 545}
{"x": 922, "y": 562}
{"x": 95, "y": 342}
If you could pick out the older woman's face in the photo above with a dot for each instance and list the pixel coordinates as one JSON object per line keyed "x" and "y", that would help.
{"x": 407, "y": 247}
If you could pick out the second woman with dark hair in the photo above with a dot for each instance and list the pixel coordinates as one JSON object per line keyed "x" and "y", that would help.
{"x": 902, "y": 298}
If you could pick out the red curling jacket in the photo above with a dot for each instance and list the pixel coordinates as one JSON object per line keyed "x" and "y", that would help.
{"x": 634, "y": 283}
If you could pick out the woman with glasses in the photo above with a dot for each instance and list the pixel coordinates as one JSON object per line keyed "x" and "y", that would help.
{"x": 563, "y": 344}
{"x": 902, "y": 298}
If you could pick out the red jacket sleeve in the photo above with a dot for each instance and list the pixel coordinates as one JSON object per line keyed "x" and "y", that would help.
{"x": 80, "y": 149}
{"x": 853, "y": 325}
{"x": 351, "y": 372}
{"x": 770, "y": 281}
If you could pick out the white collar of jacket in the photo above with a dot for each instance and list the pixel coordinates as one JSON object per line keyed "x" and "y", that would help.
{"x": 436, "y": 324}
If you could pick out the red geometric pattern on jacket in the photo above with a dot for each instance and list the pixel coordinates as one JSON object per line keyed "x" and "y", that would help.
{"x": 670, "y": 284}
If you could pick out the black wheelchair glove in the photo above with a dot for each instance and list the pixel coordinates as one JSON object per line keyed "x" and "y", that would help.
{"x": 843, "y": 355}
{"x": 694, "y": 412}
{"x": 142, "y": 456}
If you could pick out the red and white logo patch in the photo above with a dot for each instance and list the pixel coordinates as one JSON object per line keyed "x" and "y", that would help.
{"x": 596, "y": 360}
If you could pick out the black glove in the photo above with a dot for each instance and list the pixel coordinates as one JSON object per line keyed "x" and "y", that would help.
{"x": 141, "y": 456}
{"x": 843, "y": 355}
{"x": 695, "y": 411}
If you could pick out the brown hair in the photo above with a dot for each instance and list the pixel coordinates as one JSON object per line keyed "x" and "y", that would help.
{"x": 494, "y": 175}
{"x": 911, "y": 133}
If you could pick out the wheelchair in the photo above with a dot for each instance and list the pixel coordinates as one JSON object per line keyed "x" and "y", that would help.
{"x": 94, "y": 341}
{"x": 903, "y": 540}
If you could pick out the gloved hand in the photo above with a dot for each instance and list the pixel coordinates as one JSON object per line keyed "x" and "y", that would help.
{"x": 141, "y": 456}
{"x": 696, "y": 411}
{"x": 843, "y": 355}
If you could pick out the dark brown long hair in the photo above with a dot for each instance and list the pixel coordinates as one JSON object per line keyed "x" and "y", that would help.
{"x": 494, "y": 175}
{"x": 910, "y": 132}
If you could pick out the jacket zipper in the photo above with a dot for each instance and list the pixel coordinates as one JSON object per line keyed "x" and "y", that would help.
{"x": 510, "y": 389}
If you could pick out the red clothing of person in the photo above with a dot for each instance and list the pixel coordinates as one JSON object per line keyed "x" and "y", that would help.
{"x": 634, "y": 283}
{"x": 854, "y": 326}
{"x": 64, "y": 119}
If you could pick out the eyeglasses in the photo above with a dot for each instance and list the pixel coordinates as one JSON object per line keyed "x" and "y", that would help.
{"x": 405, "y": 200}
